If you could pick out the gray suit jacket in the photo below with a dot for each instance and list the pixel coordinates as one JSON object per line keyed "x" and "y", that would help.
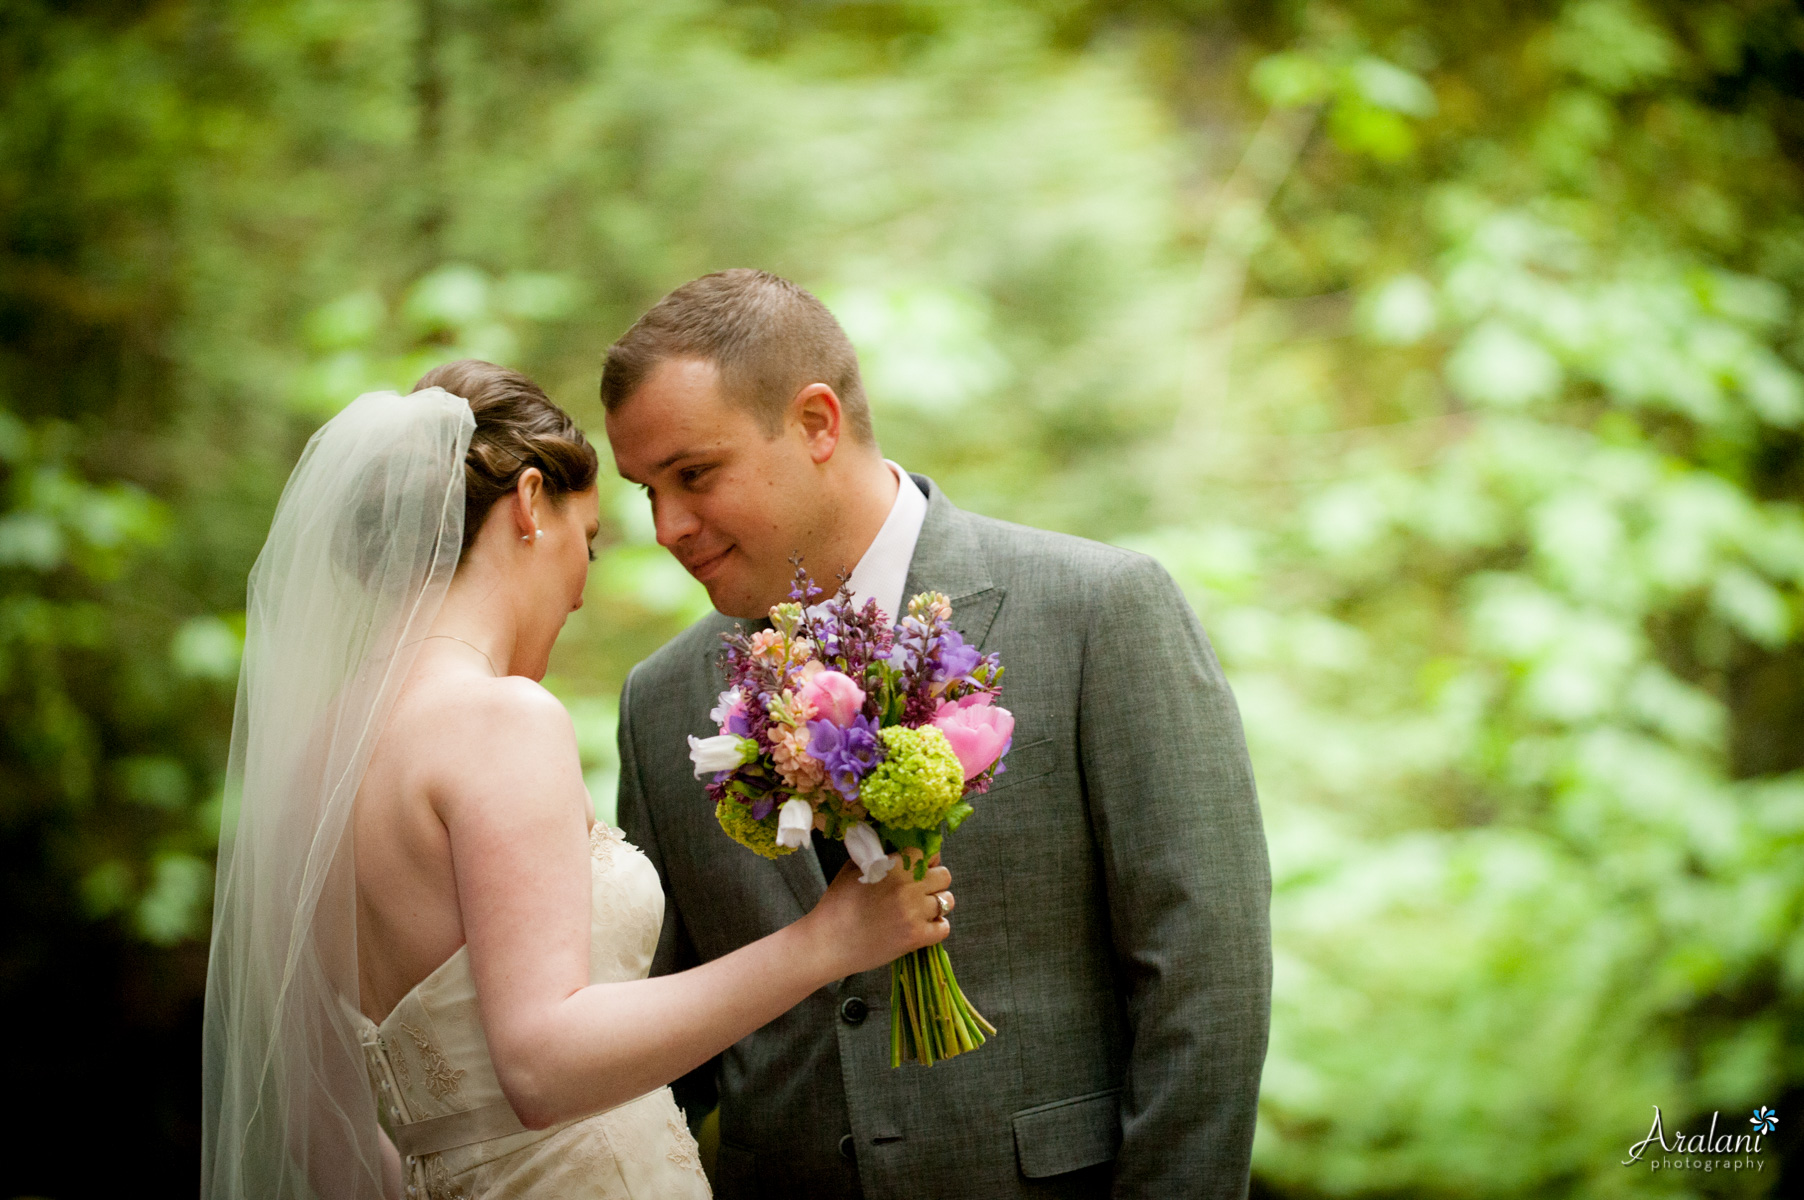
{"x": 1113, "y": 893}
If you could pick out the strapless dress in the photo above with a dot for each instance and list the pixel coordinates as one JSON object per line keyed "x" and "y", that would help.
{"x": 443, "y": 1106}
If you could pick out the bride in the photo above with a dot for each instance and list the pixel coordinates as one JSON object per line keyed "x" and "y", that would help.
{"x": 428, "y": 969}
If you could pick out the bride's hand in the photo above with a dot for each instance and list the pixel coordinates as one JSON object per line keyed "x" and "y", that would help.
{"x": 866, "y": 925}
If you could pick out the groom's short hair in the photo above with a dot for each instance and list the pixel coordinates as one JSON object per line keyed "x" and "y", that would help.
{"x": 768, "y": 337}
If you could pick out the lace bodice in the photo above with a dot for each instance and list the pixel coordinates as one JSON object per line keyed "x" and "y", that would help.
{"x": 429, "y": 1063}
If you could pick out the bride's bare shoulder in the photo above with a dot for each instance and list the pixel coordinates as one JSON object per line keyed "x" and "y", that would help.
{"x": 490, "y": 756}
{"x": 472, "y": 716}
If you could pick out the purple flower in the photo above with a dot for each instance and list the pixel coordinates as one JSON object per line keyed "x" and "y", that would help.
{"x": 730, "y": 715}
{"x": 848, "y": 754}
{"x": 955, "y": 659}
{"x": 802, "y": 589}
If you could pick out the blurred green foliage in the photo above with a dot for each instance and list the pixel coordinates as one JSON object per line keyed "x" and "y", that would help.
{"x": 1449, "y": 355}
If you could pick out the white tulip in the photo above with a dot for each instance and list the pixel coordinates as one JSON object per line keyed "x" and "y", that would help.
{"x": 795, "y": 821}
{"x": 721, "y": 753}
{"x": 866, "y": 849}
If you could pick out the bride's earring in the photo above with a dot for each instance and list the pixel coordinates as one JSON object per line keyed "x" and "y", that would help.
{"x": 535, "y": 536}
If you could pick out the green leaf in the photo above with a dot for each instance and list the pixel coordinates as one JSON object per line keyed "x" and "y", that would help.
{"x": 174, "y": 906}
{"x": 1402, "y": 311}
{"x": 106, "y": 889}
{"x": 1613, "y": 44}
{"x": 208, "y": 647}
{"x": 538, "y": 295}
{"x": 15, "y": 438}
{"x": 1385, "y": 85}
{"x": 1751, "y": 605}
{"x": 1290, "y": 80}
{"x": 154, "y": 781}
{"x": 452, "y": 298}
{"x": 1498, "y": 366}
{"x": 31, "y": 539}
{"x": 1362, "y": 128}
{"x": 347, "y": 323}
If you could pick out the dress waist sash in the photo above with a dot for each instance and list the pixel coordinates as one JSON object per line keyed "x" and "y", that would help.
{"x": 452, "y": 1130}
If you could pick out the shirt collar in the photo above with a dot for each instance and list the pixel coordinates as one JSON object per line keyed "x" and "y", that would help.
{"x": 882, "y": 574}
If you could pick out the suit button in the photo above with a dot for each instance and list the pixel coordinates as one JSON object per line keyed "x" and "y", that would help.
{"x": 845, "y": 1147}
{"x": 854, "y": 1010}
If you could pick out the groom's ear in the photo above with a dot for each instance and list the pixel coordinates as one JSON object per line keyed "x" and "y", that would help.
{"x": 816, "y": 412}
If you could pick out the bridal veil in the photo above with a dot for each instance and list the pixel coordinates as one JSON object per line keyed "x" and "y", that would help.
{"x": 362, "y": 548}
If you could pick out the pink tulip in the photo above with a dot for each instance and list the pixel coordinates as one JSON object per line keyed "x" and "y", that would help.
{"x": 980, "y": 732}
{"x": 834, "y": 696}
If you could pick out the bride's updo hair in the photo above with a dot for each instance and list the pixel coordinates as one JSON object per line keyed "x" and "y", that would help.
{"x": 517, "y": 426}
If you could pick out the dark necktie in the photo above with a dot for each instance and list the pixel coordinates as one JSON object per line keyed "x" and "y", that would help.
{"x": 831, "y": 852}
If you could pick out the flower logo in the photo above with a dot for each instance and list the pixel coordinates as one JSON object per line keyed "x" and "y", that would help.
{"x": 1763, "y": 1119}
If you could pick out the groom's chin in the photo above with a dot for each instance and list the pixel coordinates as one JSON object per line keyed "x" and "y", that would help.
{"x": 737, "y": 606}
{"x": 738, "y": 602}
{"x": 727, "y": 600}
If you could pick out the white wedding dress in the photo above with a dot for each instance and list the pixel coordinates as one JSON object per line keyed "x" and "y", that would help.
{"x": 295, "y": 1082}
{"x": 438, "y": 1094}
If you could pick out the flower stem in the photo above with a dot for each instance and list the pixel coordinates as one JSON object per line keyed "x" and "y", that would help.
{"x": 930, "y": 1016}
{"x": 895, "y": 1014}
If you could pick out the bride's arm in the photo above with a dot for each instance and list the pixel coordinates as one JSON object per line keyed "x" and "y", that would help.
{"x": 509, "y": 791}
{"x": 393, "y": 1181}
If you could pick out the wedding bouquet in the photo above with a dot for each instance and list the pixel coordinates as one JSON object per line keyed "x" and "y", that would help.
{"x": 834, "y": 720}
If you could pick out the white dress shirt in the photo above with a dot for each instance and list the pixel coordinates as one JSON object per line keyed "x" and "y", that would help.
{"x": 882, "y": 574}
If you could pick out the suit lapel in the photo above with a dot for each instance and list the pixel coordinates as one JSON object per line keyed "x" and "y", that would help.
{"x": 801, "y": 870}
{"x": 949, "y": 559}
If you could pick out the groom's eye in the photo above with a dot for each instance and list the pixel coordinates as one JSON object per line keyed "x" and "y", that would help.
{"x": 690, "y": 475}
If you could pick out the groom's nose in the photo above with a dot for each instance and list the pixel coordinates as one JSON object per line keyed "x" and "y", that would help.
{"x": 673, "y": 520}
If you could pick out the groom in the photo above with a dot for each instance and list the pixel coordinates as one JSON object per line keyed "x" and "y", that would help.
{"x": 1113, "y": 886}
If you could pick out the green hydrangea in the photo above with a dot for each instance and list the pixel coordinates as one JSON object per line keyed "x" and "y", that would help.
{"x": 760, "y": 837}
{"x": 920, "y": 781}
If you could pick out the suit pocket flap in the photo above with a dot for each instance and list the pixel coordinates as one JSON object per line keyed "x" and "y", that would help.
{"x": 1027, "y": 763}
{"x": 1068, "y": 1135}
